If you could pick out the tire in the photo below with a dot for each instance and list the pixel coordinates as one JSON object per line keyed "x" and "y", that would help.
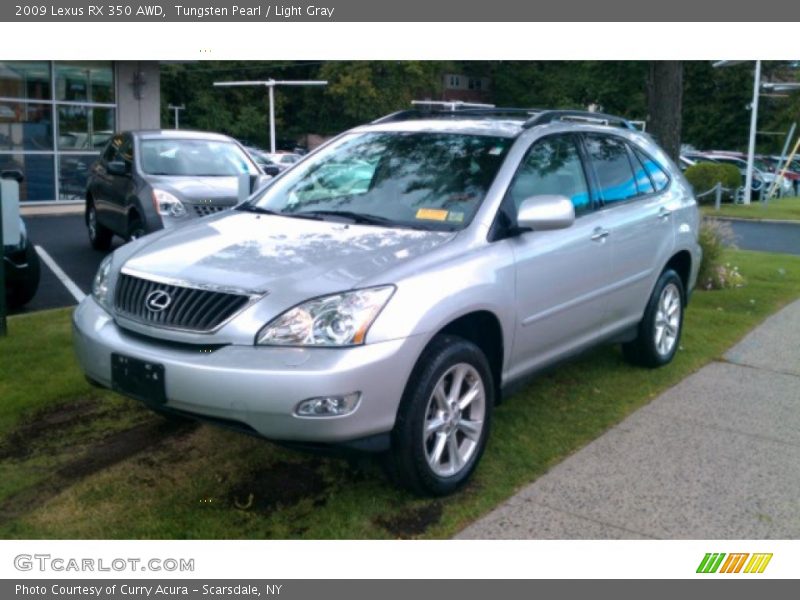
{"x": 136, "y": 229}
{"x": 24, "y": 287}
{"x": 659, "y": 332}
{"x": 413, "y": 461}
{"x": 99, "y": 236}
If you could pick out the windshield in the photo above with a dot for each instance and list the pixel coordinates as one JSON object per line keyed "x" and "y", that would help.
{"x": 198, "y": 158}
{"x": 427, "y": 180}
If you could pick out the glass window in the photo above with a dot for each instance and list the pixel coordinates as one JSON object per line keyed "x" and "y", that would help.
{"x": 552, "y": 166}
{"x": 73, "y": 170}
{"x": 25, "y": 126}
{"x": 84, "y": 81}
{"x": 425, "y": 180}
{"x": 25, "y": 80}
{"x": 39, "y": 183}
{"x": 612, "y": 166}
{"x": 84, "y": 128}
{"x": 642, "y": 178}
{"x": 194, "y": 157}
{"x": 656, "y": 172}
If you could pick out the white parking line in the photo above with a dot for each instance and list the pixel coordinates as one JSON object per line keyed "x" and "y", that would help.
{"x": 68, "y": 283}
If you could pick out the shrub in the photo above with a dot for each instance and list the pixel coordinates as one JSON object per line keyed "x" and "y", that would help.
{"x": 704, "y": 176}
{"x": 713, "y": 275}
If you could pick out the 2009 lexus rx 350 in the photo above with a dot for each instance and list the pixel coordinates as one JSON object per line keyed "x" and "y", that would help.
{"x": 384, "y": 292}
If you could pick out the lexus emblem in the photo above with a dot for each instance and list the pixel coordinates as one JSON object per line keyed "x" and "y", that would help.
{"x": 157, "y": 300}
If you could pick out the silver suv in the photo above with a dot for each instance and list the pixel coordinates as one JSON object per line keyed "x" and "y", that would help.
{"x": 382, "y": 293}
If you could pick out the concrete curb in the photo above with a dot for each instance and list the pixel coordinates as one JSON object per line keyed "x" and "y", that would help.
{"x": 743, "y": 220}
{"x": 53, "y": 210}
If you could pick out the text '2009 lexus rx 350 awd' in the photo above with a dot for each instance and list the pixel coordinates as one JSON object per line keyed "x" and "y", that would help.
{"x": 383, "y": 292}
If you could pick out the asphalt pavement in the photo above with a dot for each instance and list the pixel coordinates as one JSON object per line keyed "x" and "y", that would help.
{"x": 767, "y": 237}
{"x": 715, "y": 457}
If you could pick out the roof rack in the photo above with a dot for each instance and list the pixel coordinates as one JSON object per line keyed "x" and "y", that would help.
{"x": 445, "y": 109}
{"x": 532, "y": 116}
{"x": 451, "y": 105}
{"x": 548, "y": 116}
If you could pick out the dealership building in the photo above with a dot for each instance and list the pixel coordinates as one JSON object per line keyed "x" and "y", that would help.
{"x": 56, "y": 116}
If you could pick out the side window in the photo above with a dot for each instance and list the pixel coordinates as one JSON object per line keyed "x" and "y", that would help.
{"x": 552, "y": 166}
{"x": 612, "y": 166}
{"x": 643, "y": 181}
{"x": 126, "y": 151}
{"x": 657, "y": 174}
{"x": 111, "y": 150}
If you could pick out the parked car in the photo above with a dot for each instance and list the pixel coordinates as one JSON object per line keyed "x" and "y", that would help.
{"x": 792, "y": 174}
{"x": 263, "y": 161}
{"x": 20, "y": 260}
{"x": 22, "y": 269}
{"x": 761, "y": 178}
{"x": 392, "y": 316}
{"x": 688, "y": 159}
{"x": 148, "y": 180}
{"x": 283, "y": 159}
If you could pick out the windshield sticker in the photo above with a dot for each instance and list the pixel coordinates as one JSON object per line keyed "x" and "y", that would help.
{"x": 496, "y": 151}
{"x": 455, "y": 216}
{"x": 432, "y": 214}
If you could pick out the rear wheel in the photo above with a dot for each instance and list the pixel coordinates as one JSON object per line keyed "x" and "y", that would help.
{"x": 99, "y": 236}
{"x": 659, "y": 331}
{"x": 444, "y": 418}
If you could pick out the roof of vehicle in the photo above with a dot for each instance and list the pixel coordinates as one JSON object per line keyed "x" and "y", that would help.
{"x": 506, "y": 122}
{"x": 179, "y": 134}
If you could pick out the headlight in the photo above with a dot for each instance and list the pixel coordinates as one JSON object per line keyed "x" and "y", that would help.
{"x": 100, "y": 290}
{"x": 167, "y": 205}
{"x": 336, "y": 320}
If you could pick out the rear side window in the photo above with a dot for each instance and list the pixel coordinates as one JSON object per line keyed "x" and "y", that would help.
{"x": 552, "y": 166}
{"x": 656, "y": 172}
{"x": 612, "y": 166}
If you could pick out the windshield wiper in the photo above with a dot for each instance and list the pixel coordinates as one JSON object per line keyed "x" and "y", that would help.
{"x": 355, "y": 217}
{"x": 257, "y": 209}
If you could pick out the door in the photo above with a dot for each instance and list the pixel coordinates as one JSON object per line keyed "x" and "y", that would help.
{"x": 101, "y": 184}
{"x": 112, "y": 189}
{"x": 560, "y": 274}
{"x": 631, "y": 189}
{"x": 122, "y": 187}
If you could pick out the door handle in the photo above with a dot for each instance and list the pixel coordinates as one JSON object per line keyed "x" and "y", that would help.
{"x": 663, "y": 213}
{"x": 599, "y": 234}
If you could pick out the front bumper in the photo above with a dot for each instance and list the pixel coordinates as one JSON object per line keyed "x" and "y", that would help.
{"x": 259, "y": 386}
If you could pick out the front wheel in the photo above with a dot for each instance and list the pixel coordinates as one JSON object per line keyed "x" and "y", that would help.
{"x": 22, "y": 290}
{"x": 136, "y": 229}
{"x": 659, "y": 331}
{"x": 444, "y": 418}
{"x": 99, "y": 236}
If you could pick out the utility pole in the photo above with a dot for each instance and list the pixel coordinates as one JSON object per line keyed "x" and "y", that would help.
{"x": 751, "y": 146}
{"x": 177, "y": 110}
{"x": 3, "y": 325}
{"x": 270, "y": 84}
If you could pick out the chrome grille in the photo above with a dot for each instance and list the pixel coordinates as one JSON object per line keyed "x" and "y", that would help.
{"x": 203, "y": 210}
{"x": 189, "y": 309}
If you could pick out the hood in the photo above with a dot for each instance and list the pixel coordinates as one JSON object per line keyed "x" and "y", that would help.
{"x": 291, "y": 259}
{"x": 199, "y": 189}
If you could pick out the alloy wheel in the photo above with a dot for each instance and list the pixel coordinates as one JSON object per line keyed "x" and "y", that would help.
{"x": 454, "y": 420}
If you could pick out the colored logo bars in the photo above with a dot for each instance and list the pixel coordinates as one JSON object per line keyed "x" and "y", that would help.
{"x": 713, "y": 563}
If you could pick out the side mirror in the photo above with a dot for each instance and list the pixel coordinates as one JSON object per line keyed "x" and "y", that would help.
{"x": 545, "y": 213}
{"x": 14, "y": 174}
{"x": 117, "y": 167}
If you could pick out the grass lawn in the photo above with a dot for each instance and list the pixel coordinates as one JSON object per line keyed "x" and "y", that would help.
{"x": 76, "y": 462}
{"x": 783, "y": 209}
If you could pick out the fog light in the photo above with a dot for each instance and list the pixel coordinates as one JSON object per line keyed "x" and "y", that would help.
{"x": 328, "y": 406}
